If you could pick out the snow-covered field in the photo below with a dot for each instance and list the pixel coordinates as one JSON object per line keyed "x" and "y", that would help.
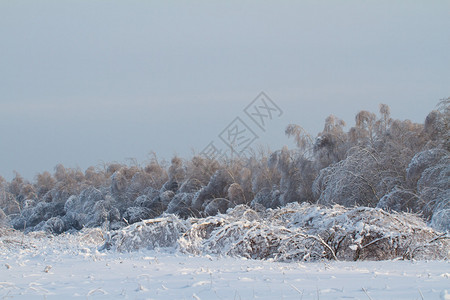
{"x": 42, "y": 266}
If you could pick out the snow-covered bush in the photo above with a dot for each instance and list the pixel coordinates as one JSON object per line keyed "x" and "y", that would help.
{"x": 149, "y": 234}
{"x": 297, "y": 172}
{"x": 180, "y": 205}
{"x": 283, "y": 161}
{"x": 45, "y": 182}
{"x": 437, "y": 125}
{"x": 8, "y": 203}
{"x": 422, "y": 161}
{"x": 352, "y": 181}
{"x": 266, "y": 198}
{"x": 441, "y": 218}
{"x": 217, "y": 205}
{"x": 153, "y": 204}
{"x": 138, "y": 185}
{"x": 236, "y": 194}
{"x": 263, "y": 177}
{"x": 119, "y": 183}
{"x": 4, "y": 219}
{"x": 429, "y": 173}
{"x": 199, "y": 171}
{"x": 54, "y": 225}
{"x": 95, "y": 178}
{"x": 400, "y": 200}
{"x": 136, "y": 214}
{"x": 34, "y": 215}
{"x": 165, "y": 198}
{"x": 217, "y": 188}
{"x": 157, "y": 172}
{"x": 311, "y": 232}
{"x": 68, "y": 182}
{"x": 142, "y": 201}
{"x": 331, "y": 145}
{"x": 176, "y": 174}
{"x": 90, "y": 209}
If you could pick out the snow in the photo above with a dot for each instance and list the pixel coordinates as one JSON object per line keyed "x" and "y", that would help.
{"x": 40, "y": 265}
{"x": 155, "y": 275}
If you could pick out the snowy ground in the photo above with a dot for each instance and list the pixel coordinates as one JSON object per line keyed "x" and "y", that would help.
{"x": 40, "y": 266}
{"x": 152, "y": 275}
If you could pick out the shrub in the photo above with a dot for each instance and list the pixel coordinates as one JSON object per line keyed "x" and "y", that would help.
{"x": 148, "y": 234}
{"x": 311, "y": 232}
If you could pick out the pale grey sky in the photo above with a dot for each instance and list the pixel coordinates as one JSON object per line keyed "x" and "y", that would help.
{"x": 85, "y": 82}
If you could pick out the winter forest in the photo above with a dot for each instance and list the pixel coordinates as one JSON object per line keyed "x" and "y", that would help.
{"x": 379, "y": 190}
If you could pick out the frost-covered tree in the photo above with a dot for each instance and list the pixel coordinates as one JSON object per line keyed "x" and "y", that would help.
{"x": 302, "y": 138}
{"x": 68, "y": 182}
{"x": 8, "y": 202}
{"x": 352, "y": 181}
{"x": 217, "y": 187}
{"x": 297, "y": 174}
{"x": 264, "y": 177}
{"x": 198, "y": 172}
{"x": 331, "y": 144}
{"x": 45, "y": 182}
{"x": 157, "y": 172}
{"x": 96, "y": 178}
{"x": 177, "y": 171}
{"x": 437, "y": 125}
{"x": 429, "y": 173}
{"x": 123, "y": 187}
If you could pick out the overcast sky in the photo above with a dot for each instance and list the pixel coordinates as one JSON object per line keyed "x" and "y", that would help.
{"x": 86, "y": 82}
